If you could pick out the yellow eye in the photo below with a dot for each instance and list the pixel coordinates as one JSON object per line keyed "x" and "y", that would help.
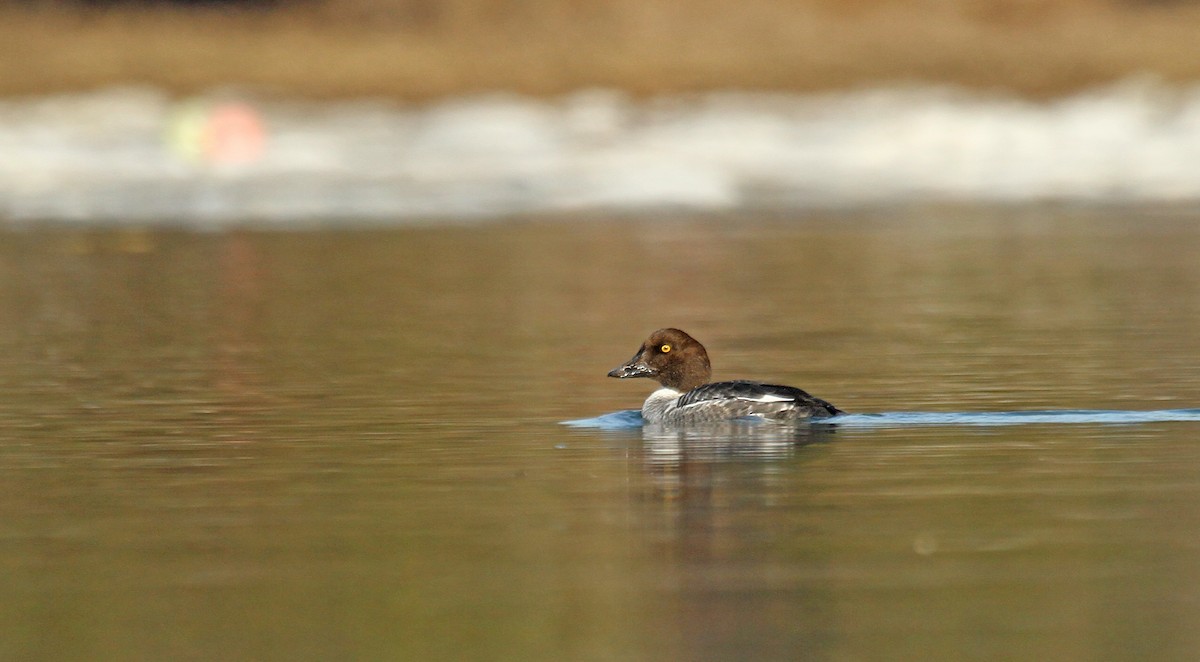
{"x": 664, "y": 349}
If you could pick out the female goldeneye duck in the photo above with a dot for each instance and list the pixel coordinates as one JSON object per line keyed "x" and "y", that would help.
{"x": 678, "y": 362}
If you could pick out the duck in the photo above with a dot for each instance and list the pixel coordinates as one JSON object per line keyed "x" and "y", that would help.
{"x": 679, "y": 363}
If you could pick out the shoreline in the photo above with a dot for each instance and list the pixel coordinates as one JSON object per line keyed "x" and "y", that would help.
{"x": 139, "y": 155}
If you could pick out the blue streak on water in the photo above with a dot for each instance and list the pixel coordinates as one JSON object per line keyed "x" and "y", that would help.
{"x": 618, "y": 420}
{"x": 1052, "y": 416}
{"x": 632, "y": 418}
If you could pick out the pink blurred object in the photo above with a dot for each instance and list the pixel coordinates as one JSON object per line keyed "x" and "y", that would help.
{"x": 233, "y": 134}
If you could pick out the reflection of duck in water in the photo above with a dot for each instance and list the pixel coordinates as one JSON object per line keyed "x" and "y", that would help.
{"x": 667, "y": 445}
{"x": 680, "y": 364}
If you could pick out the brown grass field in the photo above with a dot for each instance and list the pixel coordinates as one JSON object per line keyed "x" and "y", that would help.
{"x": 419, "y": 49}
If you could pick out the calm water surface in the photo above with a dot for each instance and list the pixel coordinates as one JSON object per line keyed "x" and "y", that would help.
{"x": 347, "y": 445}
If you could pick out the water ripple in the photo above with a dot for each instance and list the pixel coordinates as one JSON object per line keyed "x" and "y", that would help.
{"x": 632, "y": 418}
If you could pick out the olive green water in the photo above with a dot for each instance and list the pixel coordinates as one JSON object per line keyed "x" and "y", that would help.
{"x": 345, "y": 445}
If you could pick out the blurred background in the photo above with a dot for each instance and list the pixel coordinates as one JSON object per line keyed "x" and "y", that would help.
{"x": 423, "y": 49}
{"x": 223, "y": 111}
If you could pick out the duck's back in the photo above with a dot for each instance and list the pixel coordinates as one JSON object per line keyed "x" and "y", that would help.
{"x": 738, "y": 399}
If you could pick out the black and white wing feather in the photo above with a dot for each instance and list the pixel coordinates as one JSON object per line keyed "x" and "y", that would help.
{"x": 736, "y": 399}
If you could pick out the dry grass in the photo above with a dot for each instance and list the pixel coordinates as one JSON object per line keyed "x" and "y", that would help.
{"x": 415, "y": 49}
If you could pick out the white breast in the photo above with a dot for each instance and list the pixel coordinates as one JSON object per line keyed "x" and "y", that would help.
{"x": 659, "y": 404}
